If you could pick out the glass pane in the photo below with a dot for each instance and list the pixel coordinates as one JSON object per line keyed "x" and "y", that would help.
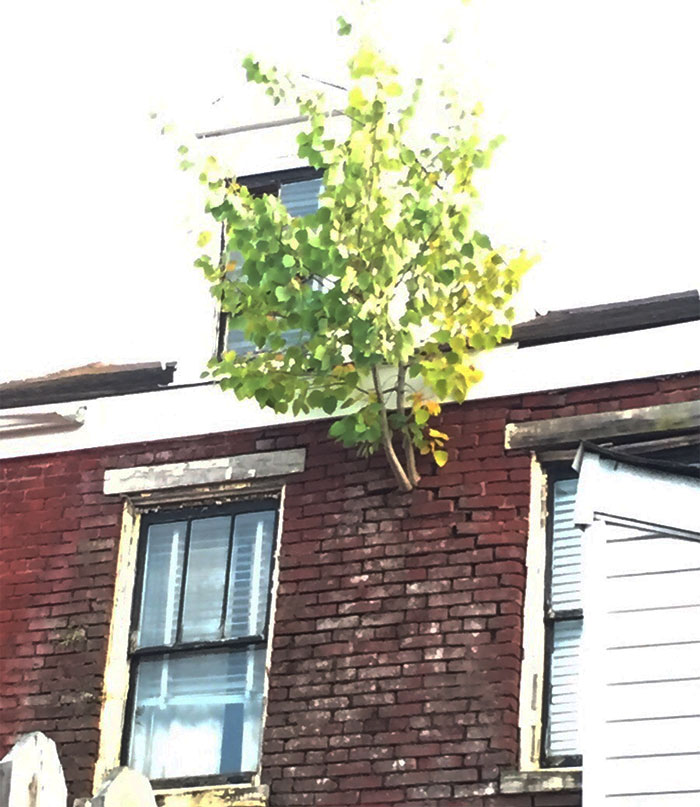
{"x": 206, "y": 578}
{"x": 162, "y": 580}
{"x": 198, "y": 714}
{"x": 253, "y": 537}
{"x": 564, "y": 684}
{"x": 566, "y": 548}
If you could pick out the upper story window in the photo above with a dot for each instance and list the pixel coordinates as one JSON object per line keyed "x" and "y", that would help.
{"x": 299, "y": 191}
{"x": 199, "y": 642}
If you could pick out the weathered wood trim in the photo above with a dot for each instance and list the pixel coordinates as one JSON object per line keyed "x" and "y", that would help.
{"x": 533, "y": 661}
{"x": 542, "y": 781}
{"x": 226, "y": 796}
{"x": 664, "y": 419}
{"x": 116, "y": 677}
{"x": 204, "y": 472}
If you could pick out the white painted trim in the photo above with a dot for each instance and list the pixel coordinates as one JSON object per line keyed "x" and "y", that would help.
{"x": 116, "y": 673}
{"x": 532, "y": 669}
{"x": 630, "y": 494}
{"x": 117, "y": 666}
{"x": 189, "y": 411}
{"x": 204, "y": 472}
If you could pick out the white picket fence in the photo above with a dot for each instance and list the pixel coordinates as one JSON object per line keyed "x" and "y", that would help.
{"x": 31, "y": 776}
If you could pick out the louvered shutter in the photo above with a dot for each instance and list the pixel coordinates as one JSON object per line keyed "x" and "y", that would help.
{"x": 562, "y": 736}
{"x": 301, "y": 198}
{"x": 162, "y": 583}
{"x": 253, "y": 537}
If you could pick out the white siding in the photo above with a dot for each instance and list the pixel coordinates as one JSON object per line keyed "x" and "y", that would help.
{"x": 642, "y": 646}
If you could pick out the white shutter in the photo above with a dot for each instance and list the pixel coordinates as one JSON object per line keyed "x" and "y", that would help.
{"x": 562, "y": 735}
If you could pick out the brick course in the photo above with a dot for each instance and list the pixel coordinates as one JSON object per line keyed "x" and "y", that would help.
{"x": 397, "y": 641}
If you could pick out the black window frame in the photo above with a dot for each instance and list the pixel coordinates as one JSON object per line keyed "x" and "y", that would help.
{"x": 269, "y": 182}
{"x": 265, "y": 502}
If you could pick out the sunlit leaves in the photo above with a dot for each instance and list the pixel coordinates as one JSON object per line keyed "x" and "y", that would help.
{"x": 387, "y": 293}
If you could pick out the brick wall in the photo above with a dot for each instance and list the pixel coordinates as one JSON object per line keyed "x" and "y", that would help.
{"x": 395, "y": 669}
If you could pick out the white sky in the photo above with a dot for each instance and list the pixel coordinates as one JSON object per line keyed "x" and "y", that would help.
{"x": 600, "y": 173}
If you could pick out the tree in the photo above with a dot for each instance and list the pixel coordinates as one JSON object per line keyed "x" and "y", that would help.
{"x": 391, "y": 289}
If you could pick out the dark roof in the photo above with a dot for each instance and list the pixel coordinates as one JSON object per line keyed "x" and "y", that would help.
{"x": 598, "y": 320}
{"x": 83, "y": 383}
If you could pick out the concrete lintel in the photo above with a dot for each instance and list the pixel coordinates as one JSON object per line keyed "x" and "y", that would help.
{"x": 204, "y": 472}
{"x": 542, "y": 781}
{"x": 566, "y": 431}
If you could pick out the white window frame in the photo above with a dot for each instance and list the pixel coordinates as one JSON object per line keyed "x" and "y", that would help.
{"x": 173, "y": 485}
{"x": 535, "y": 657}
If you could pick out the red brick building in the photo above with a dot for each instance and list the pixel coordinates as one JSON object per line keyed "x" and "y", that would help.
{"x": 394, "y": 622}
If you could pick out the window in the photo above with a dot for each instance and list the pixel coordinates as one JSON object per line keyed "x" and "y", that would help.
{"x": 560, "y": 742}
{"x": 199, "y": 642}
{"x": 299, "y": 191}
{"x": 563, "y": 619}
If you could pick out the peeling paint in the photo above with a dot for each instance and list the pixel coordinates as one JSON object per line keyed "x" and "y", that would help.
{"x": 229, "y": 796}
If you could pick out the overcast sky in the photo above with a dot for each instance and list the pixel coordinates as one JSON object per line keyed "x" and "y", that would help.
{"x": 600, "y": 172}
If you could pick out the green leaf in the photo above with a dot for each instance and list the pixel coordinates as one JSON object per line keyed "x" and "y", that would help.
{"x": 421, "y": 416}
{"x": 481, "y": 240}
{"x": 344, "y": 27}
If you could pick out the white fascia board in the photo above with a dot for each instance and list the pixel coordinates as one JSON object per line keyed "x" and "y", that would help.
{"x": 191, "y": 411}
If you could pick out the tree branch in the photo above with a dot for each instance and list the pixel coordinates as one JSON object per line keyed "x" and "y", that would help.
{"x": 397, "y": 469}
{"x": 408, "y": 447}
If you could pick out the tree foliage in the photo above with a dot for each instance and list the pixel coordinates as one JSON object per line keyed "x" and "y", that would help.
{"x": 389, "y": 288}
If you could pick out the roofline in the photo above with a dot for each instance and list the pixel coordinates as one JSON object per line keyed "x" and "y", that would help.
{"x": 115, "y": 380}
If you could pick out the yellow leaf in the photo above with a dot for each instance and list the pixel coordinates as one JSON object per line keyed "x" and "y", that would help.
{"x": 440, "y": 457}
{"x": 356, "y": 97}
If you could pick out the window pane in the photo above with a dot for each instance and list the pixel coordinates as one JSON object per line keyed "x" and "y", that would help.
{"x": 563, "y": 729}
{"x": 566, "y": 548}
{"x": 206, "y": 578}
{"x": 198, "y": 714}
{"x": 162, "y": 580}
{"x": 253, "y": 537}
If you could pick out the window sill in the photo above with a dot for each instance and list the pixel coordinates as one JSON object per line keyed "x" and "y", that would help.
{"x": 542, "y": 781}
{"x": 214, "y": 796}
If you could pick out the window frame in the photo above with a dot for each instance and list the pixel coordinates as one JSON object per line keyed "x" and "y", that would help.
{"x": 533, "y": 760}
{"x": 259, "y": 185}
{"x": 173, "y": 513}
{"x": 553, "y": 472}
